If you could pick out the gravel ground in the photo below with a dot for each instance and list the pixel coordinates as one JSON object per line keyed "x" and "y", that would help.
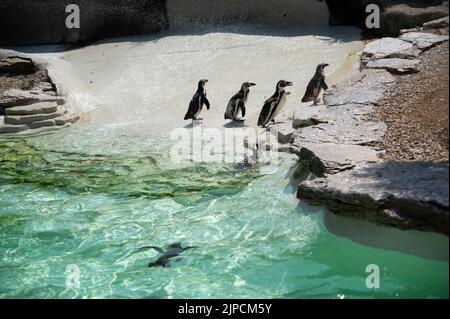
{"x": 416, "y": 111}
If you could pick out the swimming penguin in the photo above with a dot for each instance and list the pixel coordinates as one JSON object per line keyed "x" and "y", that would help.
{"x": 172, "y": 251}
{"x": 197, "y": 102}
{"x": 237, "y": 102}
{"x": 316, "y": 85}
{"x": 274, "y": 104}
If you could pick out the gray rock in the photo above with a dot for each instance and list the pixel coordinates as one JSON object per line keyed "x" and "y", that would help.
{"x": 16, "y": 65}
{"x": 8, "y": 129}
{"x": 436, "y": 24}
{"x": 405, "y": 195}
{"x": 339, "y": 157}
{"x": 68, "y": 118}
{"x": 395, "y": 15}
{"x": 387, "y": 48}
{"x": 423, "y": 40}
{"x": 394, "y": 65}
{"x": 408, "y": 15}
{"x": 369, "y": 88}
{"x": 351, "y": 133}
{"x": 308, "y": 116}
{"x": 36, "y": 108}
{"x": 28, "y": 119}
{"x": 16, "y": 97}
{"x": 45, "y": 123}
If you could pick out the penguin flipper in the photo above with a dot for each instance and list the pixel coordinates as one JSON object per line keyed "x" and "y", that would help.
{"x": 324, "y": 85}
{"x": 205, "y": 100}
{"x": 242, "y": 106}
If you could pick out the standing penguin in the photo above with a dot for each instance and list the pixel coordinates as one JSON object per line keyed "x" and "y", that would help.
{"x": 274, "y": 104}
{"x": 196, "y": 105}
{"x": 316, "y": 85}
{"x": 237, "y": 102}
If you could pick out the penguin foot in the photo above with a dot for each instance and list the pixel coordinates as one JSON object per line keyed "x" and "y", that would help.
{"x": 238, "y": 120}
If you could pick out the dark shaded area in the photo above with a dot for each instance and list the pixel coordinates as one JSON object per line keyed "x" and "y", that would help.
{"x": 395, "y": 14}
{"x": 30, "y": 22}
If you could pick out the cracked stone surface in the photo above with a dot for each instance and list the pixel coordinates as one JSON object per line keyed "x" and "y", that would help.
{"x": 368, "y": 89}
{"x": 395, "y": 65}
{"x": 423, "y": 40}
{"x": 405, "y": 195}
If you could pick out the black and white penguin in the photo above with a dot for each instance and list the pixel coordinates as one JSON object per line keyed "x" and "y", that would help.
{"x": 237, "y": 103}
{"x": 274, "y": 104}
{"x": 197, "y": 102}
{"x": 316, "y": 85}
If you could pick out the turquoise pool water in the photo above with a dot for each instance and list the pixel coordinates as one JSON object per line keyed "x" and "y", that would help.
{"x": 95, "y": 206}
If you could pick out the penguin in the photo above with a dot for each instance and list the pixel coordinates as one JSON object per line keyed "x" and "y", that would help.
{"x": 316, "y": 85}
{"x": 174, "y": 250}
{"x": 198, "y": 100}
{"x": 237, "y": 102}
{"x": 274, "y": 104}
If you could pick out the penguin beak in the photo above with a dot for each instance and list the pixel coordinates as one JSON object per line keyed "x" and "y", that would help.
{"x": 325, "y": 65}
{"x": 252, "y": 84}
{"x": 288, "y": 83}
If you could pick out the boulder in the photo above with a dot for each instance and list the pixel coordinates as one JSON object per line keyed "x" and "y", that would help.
{"x": 409, "y": 15}
{"x": 405, "y": 195}
{"x": 16, "y": 65}
{"x": 394, "y": 65}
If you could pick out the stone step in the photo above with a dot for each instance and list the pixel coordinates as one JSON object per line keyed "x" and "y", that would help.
{"x": 28, "y": 119}
{"x": 31, "y": 109}
{"x": 45, "y": 123}
{"x": 16, "y": 97}
{"x": 67, "y": 118}
{"x": 7, "y": 128}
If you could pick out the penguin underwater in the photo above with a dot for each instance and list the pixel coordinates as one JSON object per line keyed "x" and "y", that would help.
{"x": 274, "y": 104}
{"x": 237, "y": 102}
{"x": 316, "y": 85}
{"x": 174, "y": 250}
{"x": 198, "y": 100}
